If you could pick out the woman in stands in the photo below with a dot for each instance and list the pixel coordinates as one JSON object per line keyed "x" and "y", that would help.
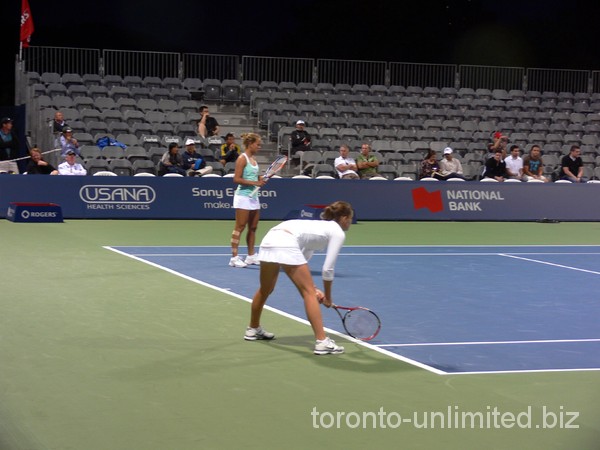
{"x": 288, "y": 246}
{"x": 430, "y": 167}
{"x": 245, "y": 200}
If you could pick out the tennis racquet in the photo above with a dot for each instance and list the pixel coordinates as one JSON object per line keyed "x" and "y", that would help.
{"x": 275, "y": 167}
{"x": 360, "y": 323}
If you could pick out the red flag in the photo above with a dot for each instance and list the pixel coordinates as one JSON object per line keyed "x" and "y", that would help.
{"x": 26, "y": 23}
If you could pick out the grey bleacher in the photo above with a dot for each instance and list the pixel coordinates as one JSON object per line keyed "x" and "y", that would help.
{"x": 393, "y": 118}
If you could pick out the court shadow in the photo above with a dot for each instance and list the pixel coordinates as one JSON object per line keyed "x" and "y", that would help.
{"x": 356, "y": 357}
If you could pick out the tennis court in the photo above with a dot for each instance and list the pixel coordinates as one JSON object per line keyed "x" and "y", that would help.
{"x": 461, "y": 309}
{"x": 100, "y": 350}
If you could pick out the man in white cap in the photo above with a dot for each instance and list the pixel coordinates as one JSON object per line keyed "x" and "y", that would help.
{"x": 300, "y": 139}
{"x": 450, "y": 167}
{"x": 193, "y": 162}
{"x": 71, "y": 166}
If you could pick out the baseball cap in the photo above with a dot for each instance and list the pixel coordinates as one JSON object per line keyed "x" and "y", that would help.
{"x": 70, "y": 152}
{"x": 190, "y": 141}
{"x": 6, "y": 120}
{"x": 300, "y": 122}
{"x": 67, "y": 130}
{"x": 447, "y": 151}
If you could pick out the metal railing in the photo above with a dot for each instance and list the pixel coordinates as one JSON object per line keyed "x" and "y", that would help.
{"x": 422, "y": 75}
{"x": 558, "y": 80}
{"x": 261, "y": 68}
{"x": 491, "y": 77}
{"x": 61, "y": 60}
{"x": 595, "y": 82}
{"x": 351, "y": 72}
{"x": 141, "y": 64}
{"x": 217, "y": 67}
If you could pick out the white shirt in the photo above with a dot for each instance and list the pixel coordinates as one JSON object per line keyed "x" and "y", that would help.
{"x": 316, "y": 235}
{"x": 339, "y": 160}
{"x": 452, "y": 166}
{"x": 514, "y": 165}
{"x": 68, "y": 169}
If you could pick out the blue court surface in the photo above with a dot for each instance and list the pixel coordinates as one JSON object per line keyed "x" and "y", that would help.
{"x": 447, "y": 309}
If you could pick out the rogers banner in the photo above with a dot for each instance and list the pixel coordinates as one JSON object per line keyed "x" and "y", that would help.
{"x": 89, "y": 197}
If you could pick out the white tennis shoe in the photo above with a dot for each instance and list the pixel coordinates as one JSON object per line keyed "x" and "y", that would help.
{"x": 255, "y": 334}
{"x": 252, "y": 259}
{"x": 328, "y": 347}
{"x": 236, "y": 261}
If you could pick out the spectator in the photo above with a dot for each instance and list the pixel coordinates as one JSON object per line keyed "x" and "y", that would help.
{"x": 300, "y": 139}
{"x": 500, "y": 142}
{"x": 366, "y": 163}
{"x": 495, "y": 167}
{"x": 193, "y": 162}
{"x": 9, "y": 146}
{"x": 70, "y": 167}
{"x": 58, "y": 124}
{"x": 571, "y": 166}
{"x": 430, "y": 167}
{"x": 345, "y": 166}
{"x": 533, "y": 167}
{"x": 37, "y": 165}
{"x": 68, "y": 142}
{"x": 229, "y": 150}
{"x": 208, "y": 126}
{"x": 172, "y": 161}
{"x": 450, "y": 167}
{"x": 514, "y": 164}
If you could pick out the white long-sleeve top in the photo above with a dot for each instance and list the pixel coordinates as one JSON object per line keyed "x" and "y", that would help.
{"x": 313, "y": 235}
{"x": 68, "y": 169}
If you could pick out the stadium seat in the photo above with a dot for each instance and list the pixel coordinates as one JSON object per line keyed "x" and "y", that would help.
{"x": 323, "y": 169}
{"x": 248, "y": 88}
{"x": 96, "y": 165}
{"x": 231, "y": 91}
{"x": 136, "y": 153}
{"x": 212, "y": 89}
{"x": 121, "y": 167}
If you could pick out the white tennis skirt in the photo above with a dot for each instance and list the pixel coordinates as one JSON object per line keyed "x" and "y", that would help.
{"x": 281, "y": 247}
{"x": 243, "y": 202}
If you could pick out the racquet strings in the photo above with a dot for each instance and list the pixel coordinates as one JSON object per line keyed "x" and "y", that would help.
{"x": 276, "y": 166}
{"x": 361, "y": 324}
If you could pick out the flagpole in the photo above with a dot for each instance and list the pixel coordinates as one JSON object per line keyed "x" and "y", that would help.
{"x": 20, "y": 51}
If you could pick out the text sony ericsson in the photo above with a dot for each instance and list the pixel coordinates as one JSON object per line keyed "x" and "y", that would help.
{"x": 465, "y": 198}
{"x": 222, "y": 193}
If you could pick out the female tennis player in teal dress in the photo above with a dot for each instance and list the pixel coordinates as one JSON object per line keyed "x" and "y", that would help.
{"x": 245, "y": 200}
{"x": 288, "y": 246}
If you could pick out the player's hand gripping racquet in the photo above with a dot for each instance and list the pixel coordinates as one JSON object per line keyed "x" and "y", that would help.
{"x": 275, "y": 167}
{"x": 360, "y": 323}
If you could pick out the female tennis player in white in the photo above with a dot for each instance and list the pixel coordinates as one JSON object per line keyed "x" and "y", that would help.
{"x": 245, "y": 200}
{"x": 288, "y": 246}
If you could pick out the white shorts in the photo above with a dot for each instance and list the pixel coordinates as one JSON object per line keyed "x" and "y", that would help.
{"x": 243, "y": 202}
{"x": 281, "y": 247}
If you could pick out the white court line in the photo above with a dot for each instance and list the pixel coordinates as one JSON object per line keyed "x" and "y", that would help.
{"x": 283, "y": 313}
{"x": 382, "y": 254}
{"x": 550, "y": 264}
{"x": 541, "y": 341}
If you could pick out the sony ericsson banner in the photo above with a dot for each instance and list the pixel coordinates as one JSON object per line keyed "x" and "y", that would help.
{"x": 88, "y": 197}
{"x": 34, "y": 212}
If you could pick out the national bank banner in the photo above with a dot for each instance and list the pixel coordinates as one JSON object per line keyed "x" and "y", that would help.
{"x": 211, "y": 198}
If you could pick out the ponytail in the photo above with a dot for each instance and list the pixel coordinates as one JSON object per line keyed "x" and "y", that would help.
{"x": 336, "y": 211}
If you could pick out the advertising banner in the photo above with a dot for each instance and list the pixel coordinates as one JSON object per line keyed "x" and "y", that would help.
{"x": 90, "y": 197}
